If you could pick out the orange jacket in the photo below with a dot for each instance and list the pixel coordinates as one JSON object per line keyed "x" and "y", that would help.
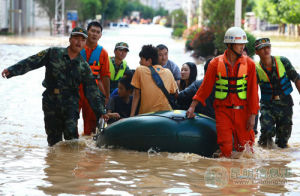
{"x": 103, "y": 60}
{"x": 209, "y": 80}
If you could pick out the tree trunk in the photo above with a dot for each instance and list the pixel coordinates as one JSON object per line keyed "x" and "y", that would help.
{"x": 50, "y": 25}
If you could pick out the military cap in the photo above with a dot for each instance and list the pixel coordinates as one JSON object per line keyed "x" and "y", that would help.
{"x": 261, "y": 43}
{"x": 122, "y": 45}
{"x": 79, "y": 31}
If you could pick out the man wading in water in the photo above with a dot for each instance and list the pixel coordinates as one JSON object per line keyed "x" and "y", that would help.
{"x": 65, "y": 70}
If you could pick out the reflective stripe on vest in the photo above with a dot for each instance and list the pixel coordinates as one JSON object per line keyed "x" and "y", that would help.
{"x": 223, "y": 87}
{"x": 93, "y": 60}
{"x": 113, "y": 75}
{"x": 266, "y": 88}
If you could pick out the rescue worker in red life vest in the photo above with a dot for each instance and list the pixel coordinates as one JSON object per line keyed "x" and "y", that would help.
{"x": 98, "y": 59}
{"x": 275, "y": 74}
{"x": 117, "y": 64}
{"x": 236, "y": 96}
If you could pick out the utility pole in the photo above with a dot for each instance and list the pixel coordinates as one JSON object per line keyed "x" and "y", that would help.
{"x": 189, "y": 14}
{"x": 59, "y": 18}
{"x": 238, "y": 13}
{"x": 200, "y": 17}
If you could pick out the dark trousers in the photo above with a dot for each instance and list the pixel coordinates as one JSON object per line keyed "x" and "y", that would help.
{"x": 276, "y": 120}
{"x": 60, "y": 121}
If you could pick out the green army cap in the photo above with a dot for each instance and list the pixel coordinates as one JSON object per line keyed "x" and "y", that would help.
{"x": 122, "y": 45}
{"x": 79, "y": 31}
{"x": 261, "y": 43}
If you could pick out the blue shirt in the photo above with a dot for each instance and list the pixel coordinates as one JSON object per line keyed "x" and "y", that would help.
{"x": 174, "y": 69}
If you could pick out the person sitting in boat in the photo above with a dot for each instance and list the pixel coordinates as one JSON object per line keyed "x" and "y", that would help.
{"x": 128, "y": 74}
{"x": 188, "y": 75}
{"x": 185, "y": 97}
{"x": 147, "y": 87}
{"x": 163, "y": 60}
{"x": 119, "y": 106}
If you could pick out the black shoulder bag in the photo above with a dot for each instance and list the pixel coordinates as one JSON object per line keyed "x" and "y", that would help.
{"x": 158, "y": 81}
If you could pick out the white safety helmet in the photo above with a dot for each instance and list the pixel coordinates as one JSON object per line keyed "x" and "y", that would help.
{"x": 235, "y": 35}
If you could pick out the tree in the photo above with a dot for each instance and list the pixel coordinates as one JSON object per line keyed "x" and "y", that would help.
{"x": 49, "y": 7}
{"x": 161, "y": 12}
{"x": 291, "y": 11}
{"x": 114, "y": 9}
{"x": 89, "y": 9}
{"x": 219, "y": 16}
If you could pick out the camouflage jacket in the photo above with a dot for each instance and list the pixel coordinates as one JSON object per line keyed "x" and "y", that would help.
{"x": 63, "y": 77}
{"x": 285, "y": 100}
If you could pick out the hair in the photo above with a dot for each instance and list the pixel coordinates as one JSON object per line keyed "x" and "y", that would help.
{"x": 207, "y": 63}
{"x": 149, "y": 52}
{"x": 192, "y": 77}
{"x": 95, "y": 24}
{"x": 161, "y": 47}
{"x": 128, "y": 74}
{"x": 127, "y": 83}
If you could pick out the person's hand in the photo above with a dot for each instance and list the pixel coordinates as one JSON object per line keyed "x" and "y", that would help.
{"x": 190, "y": 112}
{"x": 105, "y": 117}
{"x": 114, "y": 115}
{"x": 5, "y": 73}
{"x": 251, "y": 122}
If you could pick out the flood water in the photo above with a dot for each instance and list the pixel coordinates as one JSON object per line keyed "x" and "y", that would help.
{"x": 29, "y": 167}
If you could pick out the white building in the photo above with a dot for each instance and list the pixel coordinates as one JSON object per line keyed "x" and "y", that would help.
{"x": 17, "y": 16}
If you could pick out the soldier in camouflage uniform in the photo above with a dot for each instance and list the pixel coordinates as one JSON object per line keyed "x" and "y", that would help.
{"x": 275, "y": 74}
{"x": 65, "y": 70}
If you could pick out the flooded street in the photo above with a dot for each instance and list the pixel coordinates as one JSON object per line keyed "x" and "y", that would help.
{"x": 29, "y": 167}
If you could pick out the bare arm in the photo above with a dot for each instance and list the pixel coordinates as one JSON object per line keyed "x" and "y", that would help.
{"x": 135, "y": 101}
{"x": 190, "y": 112}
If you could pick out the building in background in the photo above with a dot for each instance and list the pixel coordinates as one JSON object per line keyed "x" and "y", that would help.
{"x": 17, "y": 16}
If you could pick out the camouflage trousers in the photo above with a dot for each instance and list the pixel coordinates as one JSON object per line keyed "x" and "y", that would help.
{"x": 276, "y": 120}
{"x": 60, "y": 121}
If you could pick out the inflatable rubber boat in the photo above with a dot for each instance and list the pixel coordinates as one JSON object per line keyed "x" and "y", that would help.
{"x": 167, "y": 131}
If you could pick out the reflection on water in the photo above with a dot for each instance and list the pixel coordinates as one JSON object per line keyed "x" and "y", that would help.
{"x": 29, "y": 167}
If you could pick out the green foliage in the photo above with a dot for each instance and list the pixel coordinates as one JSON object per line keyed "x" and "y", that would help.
{"x": 203, "y": 43}
{"x": 114, "y": 9}
{"x": 250, "y": 45}
{"x": 178, "y": 30}
{"x": 146, "y": 11}
{"x": 179, "y": 16}
{"x": 219, "y": 16}
{"x": 278, "y": 11}
{"x": 89, "y": 9}
{"x": 161, "y": 12}
{"x": 291, "y": 13}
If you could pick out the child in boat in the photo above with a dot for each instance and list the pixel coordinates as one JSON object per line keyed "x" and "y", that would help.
{"x": 119, "y": 106}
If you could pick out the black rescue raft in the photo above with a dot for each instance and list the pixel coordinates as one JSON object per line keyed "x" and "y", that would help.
{"x": 168, "y": 131}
